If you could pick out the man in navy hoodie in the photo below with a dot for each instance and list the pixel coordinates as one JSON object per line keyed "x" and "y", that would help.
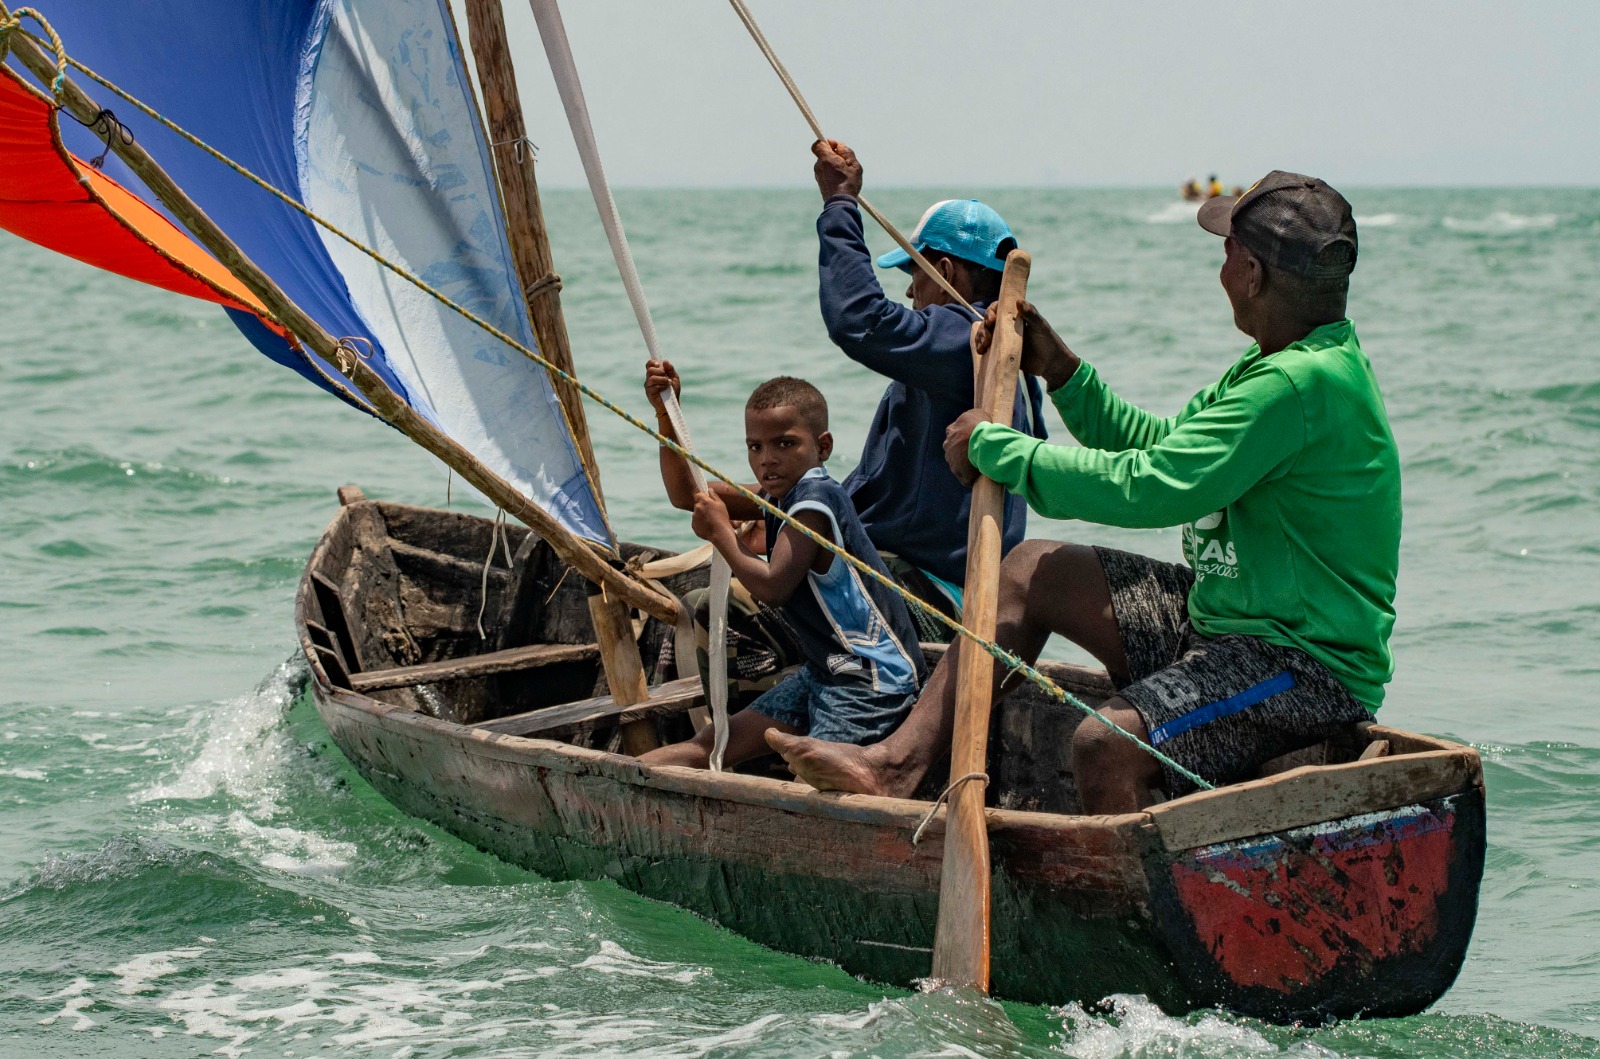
{"x": 913, "y": 508}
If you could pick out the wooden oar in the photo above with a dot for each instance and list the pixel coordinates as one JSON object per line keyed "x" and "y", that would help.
{"x": 961, "y": 940}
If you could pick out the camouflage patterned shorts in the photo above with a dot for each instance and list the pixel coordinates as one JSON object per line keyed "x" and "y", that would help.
{"x": 1220, "y": 707}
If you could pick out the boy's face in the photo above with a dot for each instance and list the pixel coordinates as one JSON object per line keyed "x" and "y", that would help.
{"x": 782, "y": 447}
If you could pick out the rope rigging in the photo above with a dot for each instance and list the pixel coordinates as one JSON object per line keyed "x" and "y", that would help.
{"x": 816, "y": 128}
{"x": 1013, "y": 663}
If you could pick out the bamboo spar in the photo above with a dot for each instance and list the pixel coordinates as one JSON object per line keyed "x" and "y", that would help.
{"x": 961, "y": 938}
{"x": 519, "y": 195}
{"x": 579, "y": 553}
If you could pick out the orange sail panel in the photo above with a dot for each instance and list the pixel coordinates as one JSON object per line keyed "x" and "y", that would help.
{"x": 50, "y": 197}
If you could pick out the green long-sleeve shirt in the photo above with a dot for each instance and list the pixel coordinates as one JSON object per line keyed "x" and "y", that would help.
{"x": 1284, "y": 476}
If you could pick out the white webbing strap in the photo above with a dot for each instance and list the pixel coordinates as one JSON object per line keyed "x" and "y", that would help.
{"x": 554, "y": 35}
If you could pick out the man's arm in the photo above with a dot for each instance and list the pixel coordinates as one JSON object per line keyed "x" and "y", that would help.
{"x": 1200, "y": 466}
{"x": 771, "y": 581}
{"x": 926, "y": 349}
{"x": 1095, "y": 415}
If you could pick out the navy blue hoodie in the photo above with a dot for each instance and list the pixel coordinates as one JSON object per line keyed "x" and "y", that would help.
{"x": 903, "y": 490}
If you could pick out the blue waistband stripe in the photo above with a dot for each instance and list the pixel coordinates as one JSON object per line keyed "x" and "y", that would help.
{"x": 1222, "y": 707}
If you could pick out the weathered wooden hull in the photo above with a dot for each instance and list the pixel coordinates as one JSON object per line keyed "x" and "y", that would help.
{"x": 1325, "y": 891}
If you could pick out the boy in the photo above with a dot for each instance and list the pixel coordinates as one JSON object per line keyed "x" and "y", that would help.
{"x": 862, "y": 665}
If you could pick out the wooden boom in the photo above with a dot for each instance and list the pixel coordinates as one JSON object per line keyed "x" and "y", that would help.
{"x": 961, "y": 938}
{"x": 583, "y": 556}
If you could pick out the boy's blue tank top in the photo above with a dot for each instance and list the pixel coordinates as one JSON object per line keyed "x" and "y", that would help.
{"x": 852, "y": 629}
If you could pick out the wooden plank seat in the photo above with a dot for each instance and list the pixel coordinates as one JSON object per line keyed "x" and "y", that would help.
{"x": 511, "y": 660}
{"x": 573, "y": 718}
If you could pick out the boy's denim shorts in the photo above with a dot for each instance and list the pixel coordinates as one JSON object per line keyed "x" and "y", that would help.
{"x": 832, "y": 712}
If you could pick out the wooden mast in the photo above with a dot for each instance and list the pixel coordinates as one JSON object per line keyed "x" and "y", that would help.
{"x": 519, "y": 195}
{"x": 530, "y": 249}
{"x": 388, "y": 405}
{"x": 961, "y": 937}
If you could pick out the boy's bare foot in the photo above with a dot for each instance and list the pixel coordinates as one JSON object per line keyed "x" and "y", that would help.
{"x": 830, "y": 766}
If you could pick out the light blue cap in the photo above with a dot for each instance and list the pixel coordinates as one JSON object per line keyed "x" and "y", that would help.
{"x": 963, "y": 228}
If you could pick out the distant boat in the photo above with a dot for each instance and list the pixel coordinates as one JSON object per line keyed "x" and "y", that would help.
{"x": 1345, "y": 884}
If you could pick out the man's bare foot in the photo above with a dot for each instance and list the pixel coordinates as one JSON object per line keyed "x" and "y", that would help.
{"x": 830, "y": 766}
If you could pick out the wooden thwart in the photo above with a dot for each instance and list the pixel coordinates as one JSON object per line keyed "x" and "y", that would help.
{"x": 961, "y": 938}
{"x": 511, "y": 660}
{"x": 671, "y": 697}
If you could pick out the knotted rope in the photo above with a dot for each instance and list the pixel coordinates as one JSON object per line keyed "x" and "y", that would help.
{"x": 944, "y": 795}
{"x": 105, "y": 123}
{"x": 1011, "y": 661}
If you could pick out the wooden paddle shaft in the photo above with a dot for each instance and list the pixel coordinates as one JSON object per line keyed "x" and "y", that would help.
{"x": 579, "y": 553}
{"x": 961, "y": 939}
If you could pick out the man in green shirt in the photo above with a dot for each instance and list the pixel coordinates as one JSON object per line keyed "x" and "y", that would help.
{"x": 1286, "y": 481}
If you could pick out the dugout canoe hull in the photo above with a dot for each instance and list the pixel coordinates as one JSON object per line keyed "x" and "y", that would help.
{"x": 1324, "y": 891}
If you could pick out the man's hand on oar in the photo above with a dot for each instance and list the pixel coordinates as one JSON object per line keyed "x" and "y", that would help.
{"x": 837, "y": 170}
{"x": 1044, "y": 353}
{"x": 957, "y": 437}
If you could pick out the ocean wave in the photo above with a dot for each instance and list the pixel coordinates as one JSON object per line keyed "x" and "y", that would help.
{"x": 85, "y": 466}
{"x": 1135, "y": 1027}
{"x": 1174, "y": 213}
{"x": 117, "y": 859}
{"x": 1502, "y": 222}
{"x": 1379, "y": 220}
{"x": 241, "y": 750}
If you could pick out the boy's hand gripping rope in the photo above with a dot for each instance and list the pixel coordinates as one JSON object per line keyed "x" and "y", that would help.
{"x": 1012, "y": 662}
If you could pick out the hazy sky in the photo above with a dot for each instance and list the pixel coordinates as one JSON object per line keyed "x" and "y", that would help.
{"x": 1032, "y": 92}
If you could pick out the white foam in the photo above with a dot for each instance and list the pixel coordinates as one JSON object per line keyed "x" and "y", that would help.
{"x": 353, "y": 959}
{"x": 614, "y": 959}
{"x": 1174, "y": 213}
{"x": 241, "y": 749}
{"x": 291, "y": 850}
{"x": 133, "y": 975}
{"x": 1503, "y": 221}
{"x": 25, "y": 774}
{"x": 1379, "y": 220}
{"x": 75, "y": 998}
{"x": 1137, "y": 1027}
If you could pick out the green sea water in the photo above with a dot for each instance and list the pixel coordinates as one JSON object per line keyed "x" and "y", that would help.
{"x": 188, "y": 866}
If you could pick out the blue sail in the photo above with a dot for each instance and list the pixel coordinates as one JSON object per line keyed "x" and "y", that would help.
{"x": 362, "y": 111}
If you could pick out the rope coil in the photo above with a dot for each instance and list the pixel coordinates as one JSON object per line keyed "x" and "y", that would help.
{"x": 1012, "y": 661}
{"x": 12, "y": 20}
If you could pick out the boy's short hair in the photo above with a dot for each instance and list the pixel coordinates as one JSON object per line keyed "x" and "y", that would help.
{"x": 787, "y": 391}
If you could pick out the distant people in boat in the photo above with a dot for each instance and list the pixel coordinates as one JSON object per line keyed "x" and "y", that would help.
{"x": 1274, "y": 635}
{"x": 1191, "y": 190}
{"x": 913, "y": 510}
{"x": 1213, "y": 186}
{"x": 861, "y": 666}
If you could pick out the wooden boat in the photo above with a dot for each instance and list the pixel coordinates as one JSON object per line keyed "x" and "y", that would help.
{"x": 1344, "y": 883}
